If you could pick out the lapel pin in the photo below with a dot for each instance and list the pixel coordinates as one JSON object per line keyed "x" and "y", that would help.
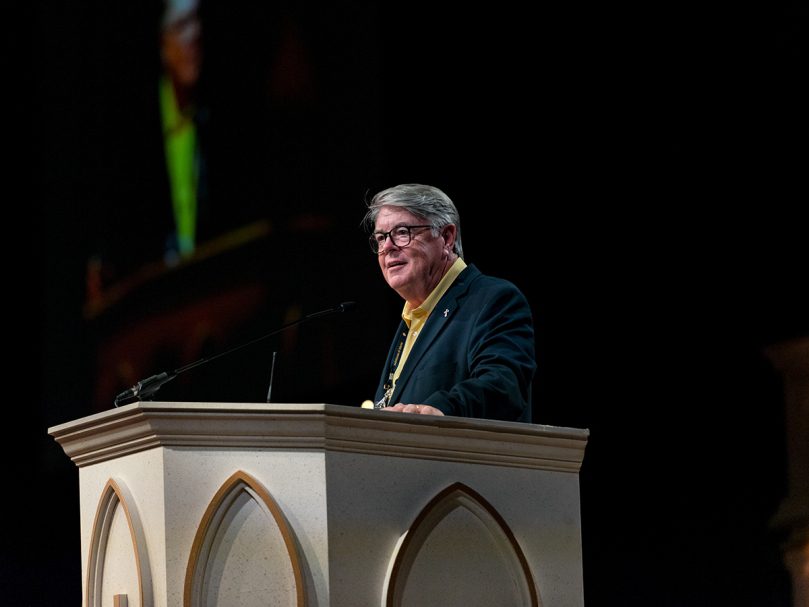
{"x": 446, "y": 312}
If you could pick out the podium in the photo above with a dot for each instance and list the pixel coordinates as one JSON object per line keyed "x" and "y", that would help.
{"x": 247, "y": 504}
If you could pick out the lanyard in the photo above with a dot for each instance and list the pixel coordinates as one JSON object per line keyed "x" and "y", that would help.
{"x": 388, "y": 387}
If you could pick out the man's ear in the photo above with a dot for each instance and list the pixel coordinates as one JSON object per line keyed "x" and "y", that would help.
{"x": 448, "y": 232}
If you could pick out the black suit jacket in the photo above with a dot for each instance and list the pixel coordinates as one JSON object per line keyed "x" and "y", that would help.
{"x": 475, "y": 355}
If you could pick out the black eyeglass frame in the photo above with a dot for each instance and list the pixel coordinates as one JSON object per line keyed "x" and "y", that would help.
{"x": 377, "y": 244}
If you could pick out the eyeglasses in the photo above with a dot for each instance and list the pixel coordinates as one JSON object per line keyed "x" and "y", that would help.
{"x": 400, "y": 236}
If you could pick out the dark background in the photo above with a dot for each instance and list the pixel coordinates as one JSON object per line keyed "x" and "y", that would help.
{"x": 638, "y": 171}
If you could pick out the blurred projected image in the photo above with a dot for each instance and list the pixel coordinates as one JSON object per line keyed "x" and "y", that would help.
{"x": 211, "y": 134}
{"x": 181, "y": 114}
{"x": 216, "y": 174}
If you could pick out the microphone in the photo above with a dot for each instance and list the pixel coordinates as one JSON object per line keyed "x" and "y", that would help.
{"x": 146, "y": 387}
{"x": 272, "y": 374}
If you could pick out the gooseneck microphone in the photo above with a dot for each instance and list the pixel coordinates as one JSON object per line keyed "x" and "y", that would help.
{"x": 146, "y": 387}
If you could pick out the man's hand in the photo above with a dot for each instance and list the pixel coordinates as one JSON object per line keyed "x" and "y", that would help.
{"x": 418, "y": 409}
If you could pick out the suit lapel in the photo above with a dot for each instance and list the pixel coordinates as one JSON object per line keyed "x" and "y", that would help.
{"x": 445, "y": 310}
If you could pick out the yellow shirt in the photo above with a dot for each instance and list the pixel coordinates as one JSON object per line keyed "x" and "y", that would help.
{"x": 415, "y": 318}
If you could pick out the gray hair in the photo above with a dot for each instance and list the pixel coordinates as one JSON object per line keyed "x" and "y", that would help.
{"x": 424, "y": 201}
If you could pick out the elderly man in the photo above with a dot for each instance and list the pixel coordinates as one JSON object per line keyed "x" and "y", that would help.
{"x": 465, "y": 346}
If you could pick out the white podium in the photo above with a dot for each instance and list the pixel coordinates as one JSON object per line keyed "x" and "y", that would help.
{"x": 248, "y": 504}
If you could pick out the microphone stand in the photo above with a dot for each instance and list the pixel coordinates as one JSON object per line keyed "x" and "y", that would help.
{"x": 147, "y": 387}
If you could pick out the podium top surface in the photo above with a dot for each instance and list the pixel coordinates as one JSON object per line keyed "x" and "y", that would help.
{"x": 322, "y": 427}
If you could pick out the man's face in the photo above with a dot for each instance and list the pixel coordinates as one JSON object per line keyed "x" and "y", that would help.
{"x": 182, "y": 50}
{"x": 414, "y": 270}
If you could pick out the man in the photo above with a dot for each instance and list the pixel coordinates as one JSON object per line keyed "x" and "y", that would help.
{"x": 181, "y": 55}
{"x": 465, "y": 346}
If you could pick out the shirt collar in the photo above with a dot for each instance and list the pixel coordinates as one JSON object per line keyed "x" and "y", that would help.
{"x": 428, "y": 304}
